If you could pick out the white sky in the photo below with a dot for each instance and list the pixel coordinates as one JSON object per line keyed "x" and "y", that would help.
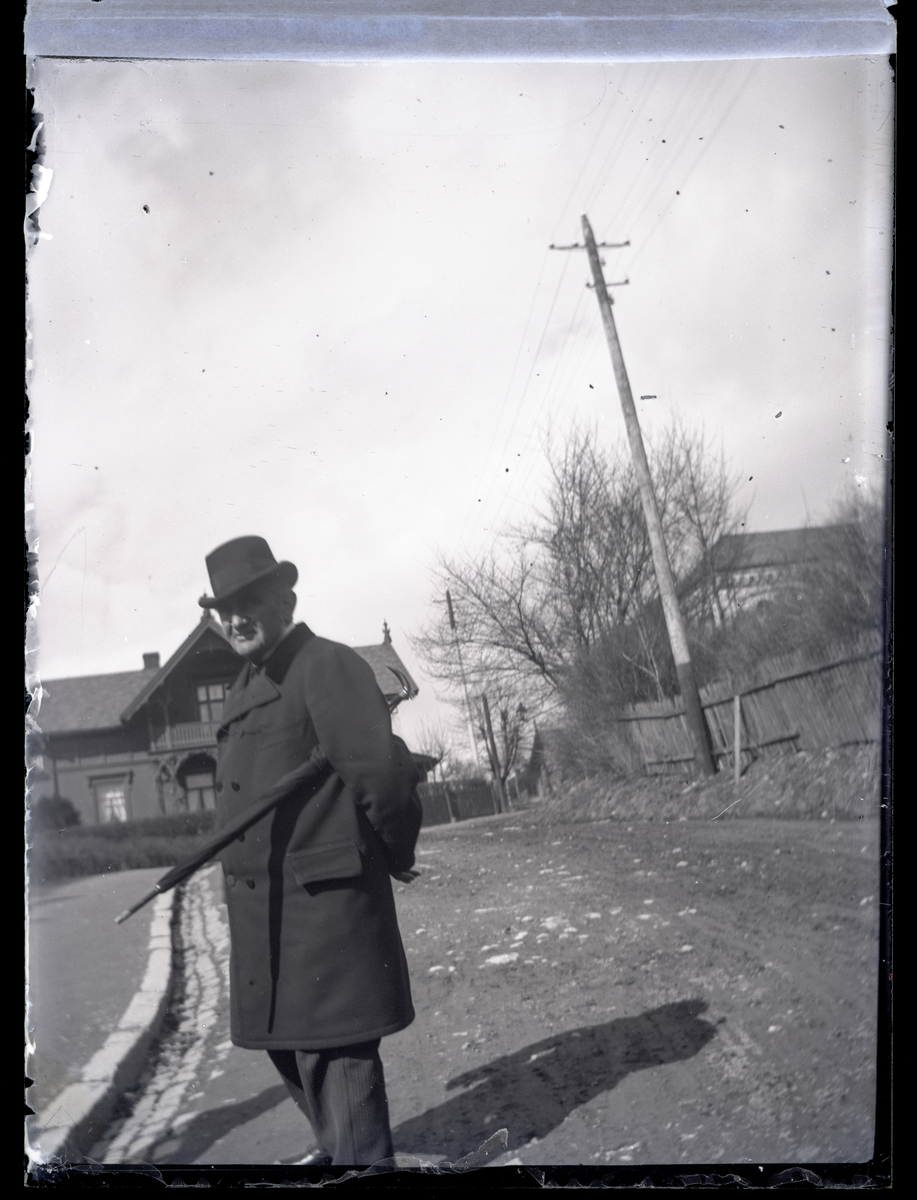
{"x": 339, "y": 324}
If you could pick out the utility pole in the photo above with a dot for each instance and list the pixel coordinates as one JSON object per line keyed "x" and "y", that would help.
{"x": 678, "y": 640}
{"x": 458, "y": 651}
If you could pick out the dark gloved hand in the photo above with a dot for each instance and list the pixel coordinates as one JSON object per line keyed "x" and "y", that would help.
{"x": 405, "y": 876}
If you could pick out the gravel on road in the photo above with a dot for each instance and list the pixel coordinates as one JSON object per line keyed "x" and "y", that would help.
{"x": 607, "y": 992}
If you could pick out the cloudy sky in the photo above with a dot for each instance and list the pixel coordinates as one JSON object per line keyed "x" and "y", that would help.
{"x": 317, "y": 303}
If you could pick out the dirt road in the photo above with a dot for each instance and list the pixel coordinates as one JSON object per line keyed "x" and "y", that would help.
{"x": 685, "y": 992}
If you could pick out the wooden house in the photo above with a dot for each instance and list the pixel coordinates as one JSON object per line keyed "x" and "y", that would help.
{"x": 143, "y": 743}
{"x": 746, "y": 570}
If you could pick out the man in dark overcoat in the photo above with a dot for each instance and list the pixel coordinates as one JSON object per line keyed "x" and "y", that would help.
{"x": 318, "y": 973}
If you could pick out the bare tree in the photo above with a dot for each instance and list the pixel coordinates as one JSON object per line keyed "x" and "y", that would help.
{"x": 705, "y": 506}
{"x": 463, "y": 770}
{"x": 579, "y": 577}
{"x": 852, "y": 583}
{"x": 510, "y": 719}
{"x": 506, "y": 635}
{"x": 433, "y": 738}
{"x": 563, "y": 612}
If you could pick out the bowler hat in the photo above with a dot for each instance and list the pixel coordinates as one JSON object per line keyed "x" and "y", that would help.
{"x": 236, "y": 564}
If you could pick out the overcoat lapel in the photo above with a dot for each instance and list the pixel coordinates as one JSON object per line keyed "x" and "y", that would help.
{"x": 251, "y": 690}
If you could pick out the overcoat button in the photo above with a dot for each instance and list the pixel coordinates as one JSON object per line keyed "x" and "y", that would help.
{"x": 219, "y": 787}
{"x": 235, "y": 786}
{"x": 250, "y": 883}
{"x": 231, "y": 880}
{"x": 241, "y": 837}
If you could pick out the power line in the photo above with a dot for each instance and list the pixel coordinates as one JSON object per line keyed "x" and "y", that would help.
{"x": 566, "y": 371}
{"x": 488, "y": 488}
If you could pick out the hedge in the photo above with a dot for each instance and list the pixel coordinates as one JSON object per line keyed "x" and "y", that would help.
{"x": 119, "y": 846}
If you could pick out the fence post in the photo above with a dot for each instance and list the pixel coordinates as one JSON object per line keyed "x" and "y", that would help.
{"x": 544, "y": 782}
{"x": 737, "y": 738}
{"x": 451, "y": 805}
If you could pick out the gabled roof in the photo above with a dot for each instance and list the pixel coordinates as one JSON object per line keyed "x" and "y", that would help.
{"x": 89, "y": 701}
{"x": 779, "y": 547}
{"x": 96, "y": 702}
{"x": 206, "y": 627}
{"x": 384, "y": 661}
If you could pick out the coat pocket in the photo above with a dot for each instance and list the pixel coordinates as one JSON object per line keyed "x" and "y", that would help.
{"x": 335, "y": 860}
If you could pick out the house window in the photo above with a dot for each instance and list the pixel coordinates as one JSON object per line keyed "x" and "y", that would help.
{"x": 199, "y": 791}
{"x": 112, "y": 797}
{"x": 210, "y": 700}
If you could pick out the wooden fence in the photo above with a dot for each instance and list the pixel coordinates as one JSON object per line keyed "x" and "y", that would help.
{"x": 456, "y": 801}
{"x": 796, "y": 706}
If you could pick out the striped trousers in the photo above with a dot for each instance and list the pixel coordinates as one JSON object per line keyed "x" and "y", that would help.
{"x": 342, "y": 1093}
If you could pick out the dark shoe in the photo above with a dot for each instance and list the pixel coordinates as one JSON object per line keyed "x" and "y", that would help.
{"x": 315, "y": 1158}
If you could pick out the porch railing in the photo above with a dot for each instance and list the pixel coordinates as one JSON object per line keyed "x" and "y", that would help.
{"x": 185, "y": 734}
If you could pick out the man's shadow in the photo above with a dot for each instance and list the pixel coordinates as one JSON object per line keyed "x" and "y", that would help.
{"x": 529, "y": 1092}
{"x": 533, "y": 1090}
